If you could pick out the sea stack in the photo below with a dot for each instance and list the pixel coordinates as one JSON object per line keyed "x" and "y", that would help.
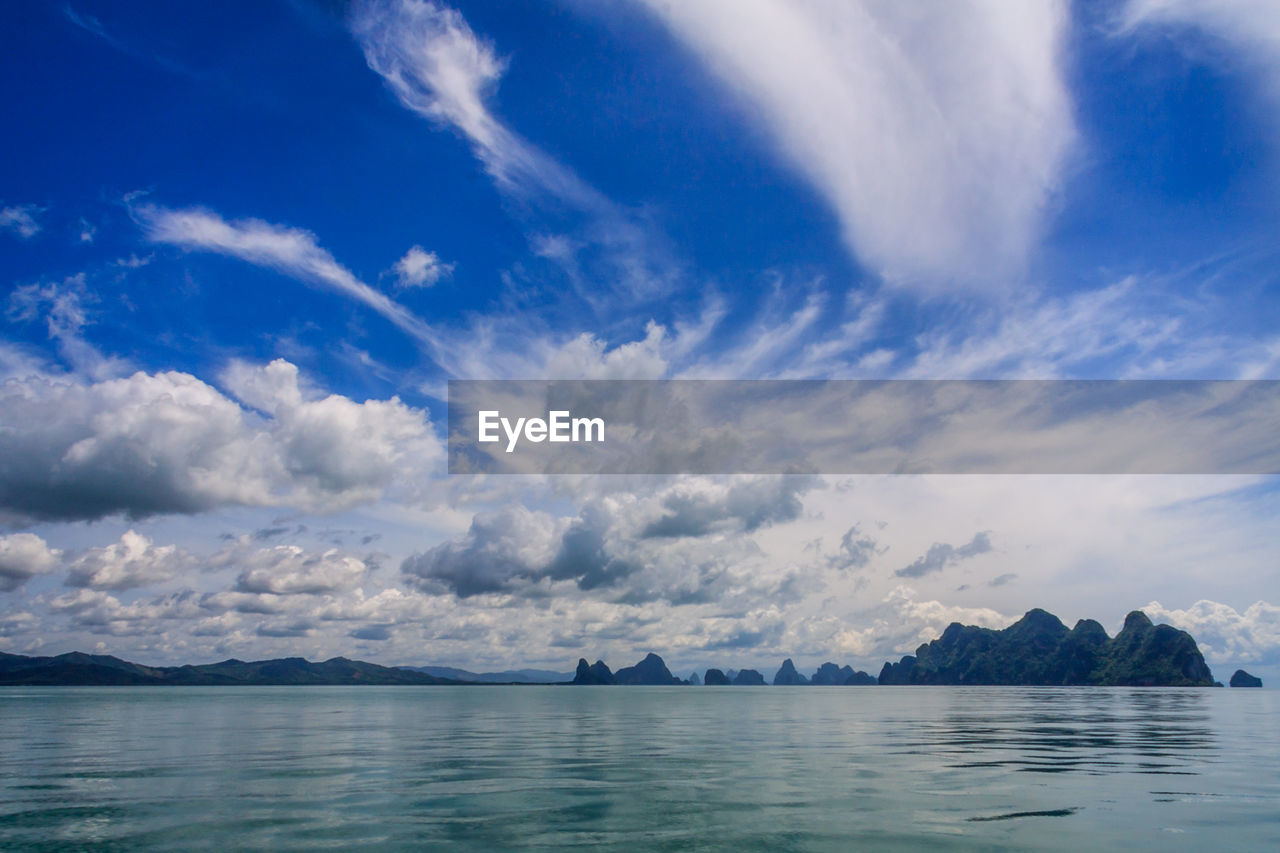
{"x": 1240, "y": 678}
{"x": 596, "y": 673}
{"x": 715, "y": 678}
{"x": 651, "y": 670}
{"x": 787, "y": 675}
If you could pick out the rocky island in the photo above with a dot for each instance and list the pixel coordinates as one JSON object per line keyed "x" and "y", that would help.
{"x": 1240, "y": 678}
{"x": 1039, "y": 650}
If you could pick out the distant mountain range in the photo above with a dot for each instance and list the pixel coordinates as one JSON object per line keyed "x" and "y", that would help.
{"x": 77, "y": 668}
{"x": 511, "y": 676}
{"x": 1036, "y": 650}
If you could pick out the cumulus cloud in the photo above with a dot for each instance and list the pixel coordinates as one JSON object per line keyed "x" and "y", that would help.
{"x": 21, "y": 220}
{"x": 276, "y": 592}
{"x": 687, "y": 543}
{"x": 937, "y": 137}
{"x": 22, "y": 557}
{"x": 332, "y": 444}
{"x": 169, "y": 443}
{"x": 940, "y": 555}
{"x": 290, "y": 570}
{"x": 132, "y": 562}
{"x": 498, "y": 548}
{"x": 420, "y": 268}
{"x": 1224, "y": 634}
{"x": 697, "y": 508}
{"x": 292, "y": 251}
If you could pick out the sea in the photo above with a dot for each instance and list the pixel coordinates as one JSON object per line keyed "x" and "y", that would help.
{"x": 638, "y": 768}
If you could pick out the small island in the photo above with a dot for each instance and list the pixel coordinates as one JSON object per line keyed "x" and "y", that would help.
{"x": 1240, "y": 678}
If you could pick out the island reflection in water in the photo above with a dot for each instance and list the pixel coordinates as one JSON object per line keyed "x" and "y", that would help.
{"x": 1084, "y": 730}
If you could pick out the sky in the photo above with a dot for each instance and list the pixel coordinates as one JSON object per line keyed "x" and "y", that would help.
{"x": 244, "y": 246}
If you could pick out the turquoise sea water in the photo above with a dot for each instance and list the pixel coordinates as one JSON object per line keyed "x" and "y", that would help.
{"x": 634, "y": 768}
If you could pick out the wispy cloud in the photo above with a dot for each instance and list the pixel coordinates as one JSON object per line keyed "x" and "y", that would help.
{"x": 65, "y": 308}
{"x": 443, "y": 71}
{"x": 440, "y": 69}
{"x": 940, "y": 555}
{"x": 1250, "y": 29}
{"x": 292, "y": 251}
{"x": 938, "y": 136}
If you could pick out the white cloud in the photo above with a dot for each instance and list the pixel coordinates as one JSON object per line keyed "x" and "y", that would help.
{"x": 291, "y": 570}
{"x": 1224, "y": 634}
{"x": 420, "y": 268}
{"x": 333, "y": 445}
{"x": 291, "y": 251}
{"x": 21, "y": 220}
{"x": 132, "y": 562}
{"x": 22, "y": 557}
{"x": 167, "y": 442}
{"x": 938, "y": 134}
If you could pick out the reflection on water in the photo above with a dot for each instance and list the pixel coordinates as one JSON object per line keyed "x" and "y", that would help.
{"x": 1152, "y": 731}
{"x": 497, "y": 768}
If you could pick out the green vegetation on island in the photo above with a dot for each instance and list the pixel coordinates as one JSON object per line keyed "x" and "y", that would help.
{"x": 1039, "y": 650}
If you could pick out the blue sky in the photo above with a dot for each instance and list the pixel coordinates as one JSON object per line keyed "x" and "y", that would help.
{"x": 245, "y": 245}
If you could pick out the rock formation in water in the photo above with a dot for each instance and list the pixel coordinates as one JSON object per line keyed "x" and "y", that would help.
{"x": 748, "y": 678}
{"x": 1039, "y": 650}
{"x": 1240, "y": 678}
{"x": 694, "y": 679}
{"x": 787, "y": 675}
{"x": 596, "y": 673}
{"x": 651, "y": 670}
{"x": 829, "y": 674}
{"x": 715, "y": 678}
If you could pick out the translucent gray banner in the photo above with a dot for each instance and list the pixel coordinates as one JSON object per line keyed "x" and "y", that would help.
{"x": 864, "y": 427}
